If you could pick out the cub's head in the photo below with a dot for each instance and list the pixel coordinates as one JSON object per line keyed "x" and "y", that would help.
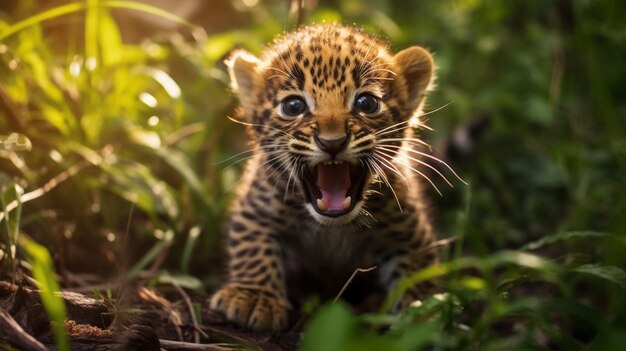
{"x": 328, "y": 105}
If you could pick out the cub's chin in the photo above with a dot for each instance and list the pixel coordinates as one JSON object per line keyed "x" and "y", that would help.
{"x": 337, "y": 220}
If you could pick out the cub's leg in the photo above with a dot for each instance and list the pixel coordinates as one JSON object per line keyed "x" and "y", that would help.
{"x": 406, "y": 253}
{"x": 254, "y": 295}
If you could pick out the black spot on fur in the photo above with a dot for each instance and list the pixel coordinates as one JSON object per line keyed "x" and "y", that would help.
{"x": 237, "y": 226}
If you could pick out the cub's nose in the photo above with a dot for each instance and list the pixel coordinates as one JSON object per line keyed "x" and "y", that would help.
{"x": 331, "y": 146}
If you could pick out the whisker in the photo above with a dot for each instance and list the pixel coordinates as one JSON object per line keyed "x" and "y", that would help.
{"x": 379, "y": 78}
{"x": 391, "y": 167}
{"x": 416, "y": 171}
{"x": 290, "y": 166}
{"x": 378, "y": 132}
{"x": 381, "y": 132}
{"x": 269, "y": 153}
{"x": 385, "y": 180}
{"x": 423, "y": 163}
{"x": 230, "y": 188}
{"x": 435, "y": 110}
{"x": 420, "y": 141}
{"x": 258, "y": 125}
{"x": 256, "y": 148}
{"x": 430, "y": 157}
{"x": 283, "y": 73}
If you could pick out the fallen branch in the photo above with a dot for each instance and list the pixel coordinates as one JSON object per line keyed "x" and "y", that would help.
{"x": 12, "y": 333}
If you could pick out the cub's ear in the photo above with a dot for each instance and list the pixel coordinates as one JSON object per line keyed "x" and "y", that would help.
{"x": 244, "y": 77}
{"x": 416, "y": 66}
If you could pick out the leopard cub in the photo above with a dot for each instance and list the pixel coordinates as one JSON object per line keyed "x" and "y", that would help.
{"x": 334, "y": 181}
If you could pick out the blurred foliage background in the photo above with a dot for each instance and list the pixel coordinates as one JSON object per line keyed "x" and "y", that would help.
{"x": 133, "y": 159}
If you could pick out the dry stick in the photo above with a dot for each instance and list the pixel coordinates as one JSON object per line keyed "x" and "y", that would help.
{"x": 436, "y": 244}
{"x": 224, "y": 335}
{"x": 12, "y": 333}
{"x": 356, "y": 271}
{"x": 172, "y": 313}
{"x": 296, "y": 7}
{"x": 194, "y": 320}
{"x": 181, "y": 345}
{"x": 299, "y": 322}
{"x": 299, "y": 13}
{"x": 121, "y": 283}
{"x": 51, "y": 184}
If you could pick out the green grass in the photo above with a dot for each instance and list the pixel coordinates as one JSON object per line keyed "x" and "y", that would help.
{"x": 538, "y": 261}
{"x": 44, "y": 273}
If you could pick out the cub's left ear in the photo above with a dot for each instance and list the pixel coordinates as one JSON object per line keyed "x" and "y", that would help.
{"x": 416, "y": 66}
{"x": 244, "y": 77}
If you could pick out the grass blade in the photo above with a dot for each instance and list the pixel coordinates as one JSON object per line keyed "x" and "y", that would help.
{"x": 44, "y": 274}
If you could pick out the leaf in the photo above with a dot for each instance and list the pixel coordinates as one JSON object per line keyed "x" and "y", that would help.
{"x": 610, "y": 273}
{"x": 330, "y": 330}
{"x": 182, "y": 280}
{"x": 180, "y": 163}
{"x": 110, "y": 39}
{"x": 152, "y": 254}
{"x": 501, "y": 258}
{"x": 566, "y": 236}
{"x": 190, "y": 244}
{"x": 46, "y": 15}
{"x": 138, "y": 184}
{"x": 43, "y": 272}
{"x": 418, "y": 336}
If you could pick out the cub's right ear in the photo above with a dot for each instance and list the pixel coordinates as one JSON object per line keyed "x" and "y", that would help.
{"x": 244, "y": 76}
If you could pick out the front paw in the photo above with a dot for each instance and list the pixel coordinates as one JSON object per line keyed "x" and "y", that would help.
{"x": 251, "y": 307}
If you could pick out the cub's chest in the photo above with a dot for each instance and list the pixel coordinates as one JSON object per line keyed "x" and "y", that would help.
{"x": 325, "y": 249}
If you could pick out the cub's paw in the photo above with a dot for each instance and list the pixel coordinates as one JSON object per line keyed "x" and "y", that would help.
{"x": 253, "y": 308}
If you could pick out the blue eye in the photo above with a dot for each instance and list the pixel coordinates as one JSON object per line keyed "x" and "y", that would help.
{"x": 366, "y": 103}
{"x": 292, "y": 106}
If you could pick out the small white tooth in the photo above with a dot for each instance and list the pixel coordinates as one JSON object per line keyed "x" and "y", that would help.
{"x": 320, "y": 205}
{"x": 346, "y": 202}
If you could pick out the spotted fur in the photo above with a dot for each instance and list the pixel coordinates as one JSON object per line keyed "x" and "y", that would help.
{"x": 281, "y": 239}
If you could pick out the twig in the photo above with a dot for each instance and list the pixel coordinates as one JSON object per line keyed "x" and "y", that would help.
{"x": 220, "y": 334}
{"x": 12, "y": 333}
{"x": 296, "y": 8}
{"x": 298, "y": 324}
{"x": 173, "y": 315}
{"x": 345, "y": 286}
{"x": 194, "y": 320}
{"x": 435, "y": 244}
{"x": 181, "y": 345}
{"x": 51, "y": 184}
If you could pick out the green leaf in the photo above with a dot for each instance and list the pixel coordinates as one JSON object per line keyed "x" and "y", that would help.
{"x": 157, "y": 248}
{"x": 43, "y": 272}
{"x": 418, "y": 336}
{"x": 566, "y": 236}
{"x": 110, "y": 39}
{"x": 610, "y": 273}
{"x": 180, "y": 163}
{"x": 46, "y": 15}
{"x": 502, "y": 258}
{"x": 138, "y": 184}
{"x": 182, "y": 280}
{"x": 192, "y": 239}
{"x": 330, "y": 330}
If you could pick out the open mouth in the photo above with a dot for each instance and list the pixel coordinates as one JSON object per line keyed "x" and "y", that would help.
{"x": 334, "y": 187}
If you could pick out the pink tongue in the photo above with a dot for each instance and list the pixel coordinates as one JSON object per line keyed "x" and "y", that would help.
{"x": 334, "y": 182}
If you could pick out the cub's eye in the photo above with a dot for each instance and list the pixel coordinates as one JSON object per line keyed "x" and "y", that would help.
{"x": 366, "y": 103}
{"x": 292, "y": 106}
